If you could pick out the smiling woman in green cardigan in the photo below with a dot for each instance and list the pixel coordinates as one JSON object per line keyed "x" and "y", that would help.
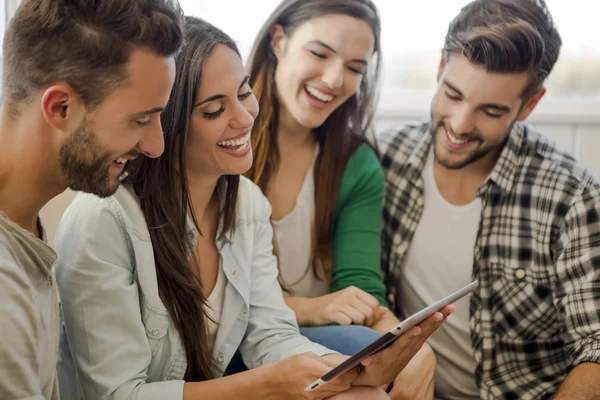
{"x": 314, "y": 69}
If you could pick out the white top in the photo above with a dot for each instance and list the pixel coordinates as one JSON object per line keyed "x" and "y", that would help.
{"x": 214, "y": 303}
{"x": 293, "y": 240}
{"x": 439, "y": 262}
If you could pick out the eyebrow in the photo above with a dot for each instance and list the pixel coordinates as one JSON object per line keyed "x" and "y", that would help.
{"x": 148, "y": 112}
{"x": 328, "y": 47}
{"x": 495, "y": 106}
{"x": 220, "y": 96}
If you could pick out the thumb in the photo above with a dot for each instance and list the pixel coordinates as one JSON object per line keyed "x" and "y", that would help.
{"x": 370, "y": 360}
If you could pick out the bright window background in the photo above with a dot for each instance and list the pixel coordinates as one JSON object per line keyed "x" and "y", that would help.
{"x": 413, "y": 34}
{"x": 3, "y": 13}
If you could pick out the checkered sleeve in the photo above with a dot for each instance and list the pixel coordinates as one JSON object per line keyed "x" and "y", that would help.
{"x": 578, "y": 280}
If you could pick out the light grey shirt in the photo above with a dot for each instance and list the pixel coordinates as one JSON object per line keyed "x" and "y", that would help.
{"x": 438, "y": 262}
{"x": 119, "y": 341}
{"x": 28, "y": 315}
{"x": 293, "y": 240}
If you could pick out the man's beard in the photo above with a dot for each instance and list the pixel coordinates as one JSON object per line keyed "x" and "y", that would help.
{"x": 471, "y": 157}
{"x": 84, "y": 164}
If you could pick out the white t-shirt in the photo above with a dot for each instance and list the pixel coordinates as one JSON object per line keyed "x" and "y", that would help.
{"x": 293, "y": 239}
{"x": 439, "y": 262}
{"x": 215, "y": 304}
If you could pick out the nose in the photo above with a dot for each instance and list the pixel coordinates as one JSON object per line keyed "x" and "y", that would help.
{"x": 152, "y": 143}
{"x": 462, "y": 120}
{"x": 244, "y": 115}
{"x": 333, "y": 76}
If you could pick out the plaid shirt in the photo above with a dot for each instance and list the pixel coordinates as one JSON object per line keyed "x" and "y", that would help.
{"x": 536, "y": 312}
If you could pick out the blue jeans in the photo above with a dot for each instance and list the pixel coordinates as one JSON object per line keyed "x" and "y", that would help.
{"x": 347, "y": 340}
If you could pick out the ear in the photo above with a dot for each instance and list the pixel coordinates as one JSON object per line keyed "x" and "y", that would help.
{"x": 278, "y": 40}
{"x": 530, "y": 104}
{"x": 61, "y": 107}
{"x": 443, "y": 63}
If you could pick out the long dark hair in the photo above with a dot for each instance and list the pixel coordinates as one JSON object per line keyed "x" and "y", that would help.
{"x": 162, "y": 186}
{"x": 338, "y": 137}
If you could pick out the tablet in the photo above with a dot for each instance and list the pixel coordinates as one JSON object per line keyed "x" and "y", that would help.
{"x": 392, "y": 335}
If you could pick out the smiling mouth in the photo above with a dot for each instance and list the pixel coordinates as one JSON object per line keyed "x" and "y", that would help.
{"x": 121, "y": 161}
{"x": 318, "y": 95}
{"x": 454, "y": 139}
{"x": 238, "y": 145}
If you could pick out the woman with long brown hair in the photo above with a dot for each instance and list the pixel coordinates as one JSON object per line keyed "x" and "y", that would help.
{"x": 314, "y": 69}
{"x": 163, "y": 282}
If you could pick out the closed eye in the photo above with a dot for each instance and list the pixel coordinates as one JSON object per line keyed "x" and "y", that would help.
{"x": 452, "y": 97}
{"x": 318, "y": 55}
{"x": 492, "y": 114}
{"x": 144, "y": 121}
{"x": 212, "y": 115}
{"x": 244, "y": 96}
{"x": 356, "y": 71}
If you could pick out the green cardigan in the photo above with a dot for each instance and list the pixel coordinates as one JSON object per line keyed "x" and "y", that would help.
{"x": 357, "y": 239}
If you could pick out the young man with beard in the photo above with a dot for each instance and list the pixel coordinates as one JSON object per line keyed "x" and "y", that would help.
{"x": 83, "y": 85}
{"x": 477, "y": 194}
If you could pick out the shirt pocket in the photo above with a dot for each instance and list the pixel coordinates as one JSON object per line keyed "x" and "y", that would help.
{"x": 156, "y": 323}
{"x": 522, "y": 302}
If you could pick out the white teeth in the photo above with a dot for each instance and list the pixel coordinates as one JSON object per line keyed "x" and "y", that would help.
{"x": 326, "y": 98}
{"x": 455, "y": 140}
{"x": 240, "y": 148}
{"x": 121, "y": 160}
{"x": 236, "y": 142}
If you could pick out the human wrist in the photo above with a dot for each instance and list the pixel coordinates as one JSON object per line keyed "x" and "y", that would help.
{"x": 307, "y": 309}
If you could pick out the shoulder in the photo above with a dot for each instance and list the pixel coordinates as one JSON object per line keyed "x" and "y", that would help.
{"x": 90, "y": 213}
{"x": 6, "y": 244}
{"x": 554, "y": 166}
{"x": 363, "y": 167}
{"x": 364, "y": 155}
{"x": 252, "y": 204}
{"x": 400, "y": 141}
{"x": 8, "y": 263}
{"x": 15, "y": 285}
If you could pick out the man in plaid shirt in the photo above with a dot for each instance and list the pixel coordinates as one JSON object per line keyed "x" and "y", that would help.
{"x": 477, "y": 194}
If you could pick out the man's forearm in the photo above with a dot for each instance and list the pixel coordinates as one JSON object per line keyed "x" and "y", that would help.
{"x": 582, "y": 383}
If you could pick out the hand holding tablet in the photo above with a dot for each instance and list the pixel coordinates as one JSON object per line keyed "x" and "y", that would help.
{"x": 406, "y": 345}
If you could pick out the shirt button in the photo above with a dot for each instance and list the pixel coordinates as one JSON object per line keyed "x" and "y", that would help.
{"x": 391, "y": 298}
{"x": 235, "y": 271}
{"x": 154, "y": 332}
{"x": 402, "y": 248}
{"x": 220, "y": 359}
{"x": 520, "y": 273}
{"x": 477, "y": 356}
{"x": 244, "y": 314}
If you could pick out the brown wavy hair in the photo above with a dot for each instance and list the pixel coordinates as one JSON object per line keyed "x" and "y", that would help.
{"x": 507, "y": 36}
{"x": 86, "y": 44}
{"x": 339, "y": 136}
{"x": 163, "y": 188}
